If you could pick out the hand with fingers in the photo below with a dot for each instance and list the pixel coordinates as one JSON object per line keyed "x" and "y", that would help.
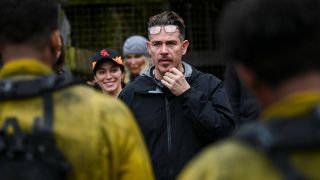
{"x": 175, "y": 81}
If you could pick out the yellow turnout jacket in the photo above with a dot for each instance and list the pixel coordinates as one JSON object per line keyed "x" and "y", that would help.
{"x": 96, "y": 133}
{"x": 231, "y": 160}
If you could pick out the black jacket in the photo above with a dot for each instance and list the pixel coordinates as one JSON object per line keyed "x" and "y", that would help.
{"x": 176, "y": 128}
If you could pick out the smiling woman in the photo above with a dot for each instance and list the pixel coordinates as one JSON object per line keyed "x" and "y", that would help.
{"x": 108, "y": 71}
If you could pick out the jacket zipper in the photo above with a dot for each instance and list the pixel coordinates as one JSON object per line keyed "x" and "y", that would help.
{"x": 169, "y": 131}
{"x": 168, "y": 125}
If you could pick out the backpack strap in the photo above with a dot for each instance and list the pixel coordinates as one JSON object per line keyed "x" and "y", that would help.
{"x": 40, "y": 144}
{"x": 45, "y": 124}
{"x": 41, "y": 126}
{"x": 17, "y": 89}
{"x": 260, "y": 137}
{"x": 279, "y": 137}
{"x": 48, "y": 111}
{"x": 11, "y": 127}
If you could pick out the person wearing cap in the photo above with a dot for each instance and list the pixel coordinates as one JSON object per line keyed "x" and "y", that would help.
{"x": 179, "y": 109}
{"x": 96, "y": 134}
{"x": 136, "y": 56}
{"x": 108, "y": 71}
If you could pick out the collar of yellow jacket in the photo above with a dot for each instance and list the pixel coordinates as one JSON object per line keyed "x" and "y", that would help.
{"x": 293, "y": 105}
{"x": 24, "y": 67}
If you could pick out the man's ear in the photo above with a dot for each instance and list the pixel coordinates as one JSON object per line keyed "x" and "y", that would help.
{"x": 148, "y": 46}
{"x": 185, "y": 45}
{"x": 246, "y": 76}
{"x": 56, "y": 42}
{"x": 261, "y": 90}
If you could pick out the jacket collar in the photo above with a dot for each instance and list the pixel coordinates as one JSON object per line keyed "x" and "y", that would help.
{"x": 293, "y": 105}
{"x": 150, "y": 86}
{"x": 22, "y": 67}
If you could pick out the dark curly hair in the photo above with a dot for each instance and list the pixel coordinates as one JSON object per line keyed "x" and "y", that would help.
{"x": 276, "y": 39}
{"x": 28, "y": 21}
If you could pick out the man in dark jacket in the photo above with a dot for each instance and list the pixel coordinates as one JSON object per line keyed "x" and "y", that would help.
{"x": 179, "y": 109}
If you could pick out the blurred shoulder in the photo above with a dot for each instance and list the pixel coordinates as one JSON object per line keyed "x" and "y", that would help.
{"x": 228, "y": 160}
{"x": 91, "y": 99}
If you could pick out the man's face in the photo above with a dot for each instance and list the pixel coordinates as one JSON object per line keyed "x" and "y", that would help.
{"x": 166, "y": 50}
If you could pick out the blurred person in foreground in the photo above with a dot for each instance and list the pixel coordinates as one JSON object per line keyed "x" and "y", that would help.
{"x": 96, "y": 134}
{"x": 136, "y": 56}
{"x": 108, "y": 71}
{"x": 244, "y": 104}
{"x": 275, "y": 47}
{"x": 179, "y": 109}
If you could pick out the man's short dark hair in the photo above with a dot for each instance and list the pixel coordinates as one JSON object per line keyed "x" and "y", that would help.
{"x": 168, "y": 18}
{"x": 276, "y": 39}
{"x": 28, "y": 21}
